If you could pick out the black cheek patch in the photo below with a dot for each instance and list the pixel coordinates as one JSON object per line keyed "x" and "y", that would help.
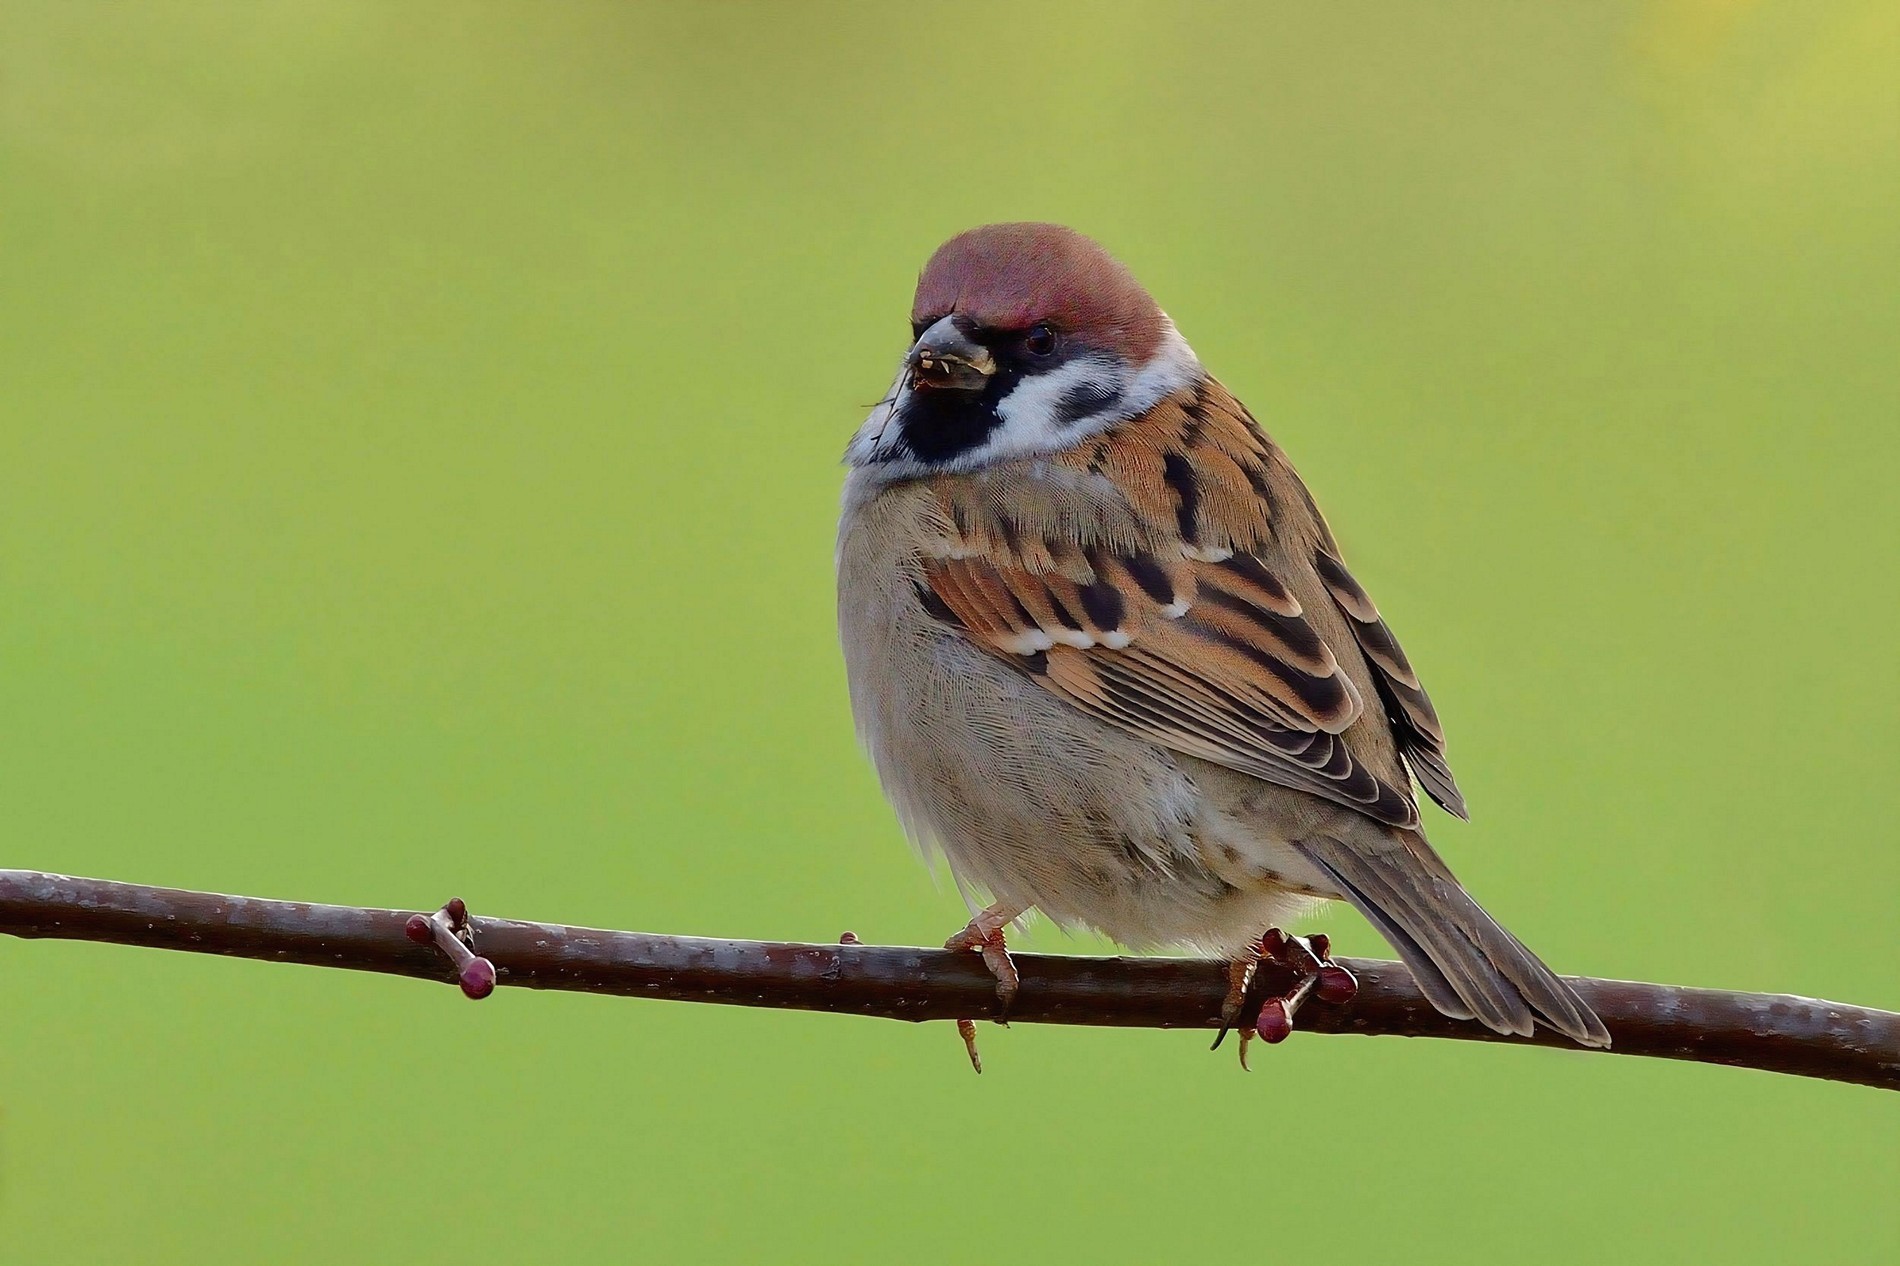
{"x": 1085, "y": 400}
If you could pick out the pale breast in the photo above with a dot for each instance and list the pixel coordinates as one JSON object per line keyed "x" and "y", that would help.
{"x": 1026, "y": 798}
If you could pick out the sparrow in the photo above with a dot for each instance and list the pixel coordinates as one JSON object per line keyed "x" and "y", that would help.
{"x": 1108, "y": 659}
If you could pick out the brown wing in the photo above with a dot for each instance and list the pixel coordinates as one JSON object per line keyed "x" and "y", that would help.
{"x": 1210, "y": 659}
{"x": 1172, "y": 625}
{"x": 1414, "y": 721}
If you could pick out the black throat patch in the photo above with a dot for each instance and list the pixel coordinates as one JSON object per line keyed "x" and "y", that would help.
{"x": 940, "y": 426}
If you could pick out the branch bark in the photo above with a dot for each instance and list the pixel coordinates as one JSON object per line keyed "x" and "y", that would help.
{"x": 1774, "y": 1032}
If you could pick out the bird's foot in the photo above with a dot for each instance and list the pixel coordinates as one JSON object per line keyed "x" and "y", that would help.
{"x": 1306, "y": 961}
{"x": 984, "y": 934}
{"x": 966, "y": 1029}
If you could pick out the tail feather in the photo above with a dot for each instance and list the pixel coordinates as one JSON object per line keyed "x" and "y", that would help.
{"x": 1445, "y": 947}
{"x": 1466, "y": 964}
{"x": 1438, "y": 989}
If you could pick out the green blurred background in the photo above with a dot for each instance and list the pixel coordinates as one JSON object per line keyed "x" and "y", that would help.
{"x": 419, "y": 434}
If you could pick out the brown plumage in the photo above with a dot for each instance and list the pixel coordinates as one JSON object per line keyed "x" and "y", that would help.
{"x": 1183, "y": 711}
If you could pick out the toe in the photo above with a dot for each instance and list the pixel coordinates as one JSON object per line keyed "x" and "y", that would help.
{"x": 966, "y": 1029}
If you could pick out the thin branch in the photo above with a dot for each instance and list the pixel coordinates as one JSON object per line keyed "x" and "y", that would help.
{"x": 1774, "y": 1032}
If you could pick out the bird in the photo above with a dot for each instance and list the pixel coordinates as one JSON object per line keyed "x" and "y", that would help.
{"x": 1108, "y": 660}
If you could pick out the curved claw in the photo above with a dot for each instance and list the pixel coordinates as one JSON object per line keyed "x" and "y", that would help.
{"x": 966, "y": 1029}
{"x": 1240, "y": 975}
{"x": 1008, "y": 979}
{"x": 984, "y": 934}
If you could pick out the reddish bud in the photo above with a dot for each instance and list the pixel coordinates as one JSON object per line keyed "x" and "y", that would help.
{"x": 478, "y": 978}
{"x": 848, "y": 938}
{"x": 457, "y": 912}
{"x": 418, "y": 929}
{"x": 1322, "y": 945}
{"x": 1274, "y": 1025}
{"x": 1336, "y": 984}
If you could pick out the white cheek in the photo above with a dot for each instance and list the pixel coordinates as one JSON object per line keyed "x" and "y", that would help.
{"x": 1029, "y": 413}
{"x": 1030, "y": 424}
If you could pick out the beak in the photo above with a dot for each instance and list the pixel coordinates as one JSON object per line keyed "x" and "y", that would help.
{"x": 946, "y": 358}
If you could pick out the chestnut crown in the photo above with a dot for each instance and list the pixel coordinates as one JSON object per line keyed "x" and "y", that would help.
{"x": 1012, "y": 277}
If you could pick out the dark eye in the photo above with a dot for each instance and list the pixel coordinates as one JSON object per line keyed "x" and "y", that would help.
{"x": 1040, "y": 340}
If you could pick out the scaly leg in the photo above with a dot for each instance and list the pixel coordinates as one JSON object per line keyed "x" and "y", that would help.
{"x": 984, "y": 934}
{"x": 1240, "y": 975}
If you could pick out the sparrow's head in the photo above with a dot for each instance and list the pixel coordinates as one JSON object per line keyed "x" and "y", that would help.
{"x": 1028, "y": 338}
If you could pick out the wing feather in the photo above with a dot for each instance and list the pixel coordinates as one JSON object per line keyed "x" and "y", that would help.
{"x": 1233, "y": 679}
{"x": 1415, "y": 724}
{"x": 1171, "y": 620}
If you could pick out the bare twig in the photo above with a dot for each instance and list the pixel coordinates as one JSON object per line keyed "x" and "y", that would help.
{"x": 1775, "y": 1032}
